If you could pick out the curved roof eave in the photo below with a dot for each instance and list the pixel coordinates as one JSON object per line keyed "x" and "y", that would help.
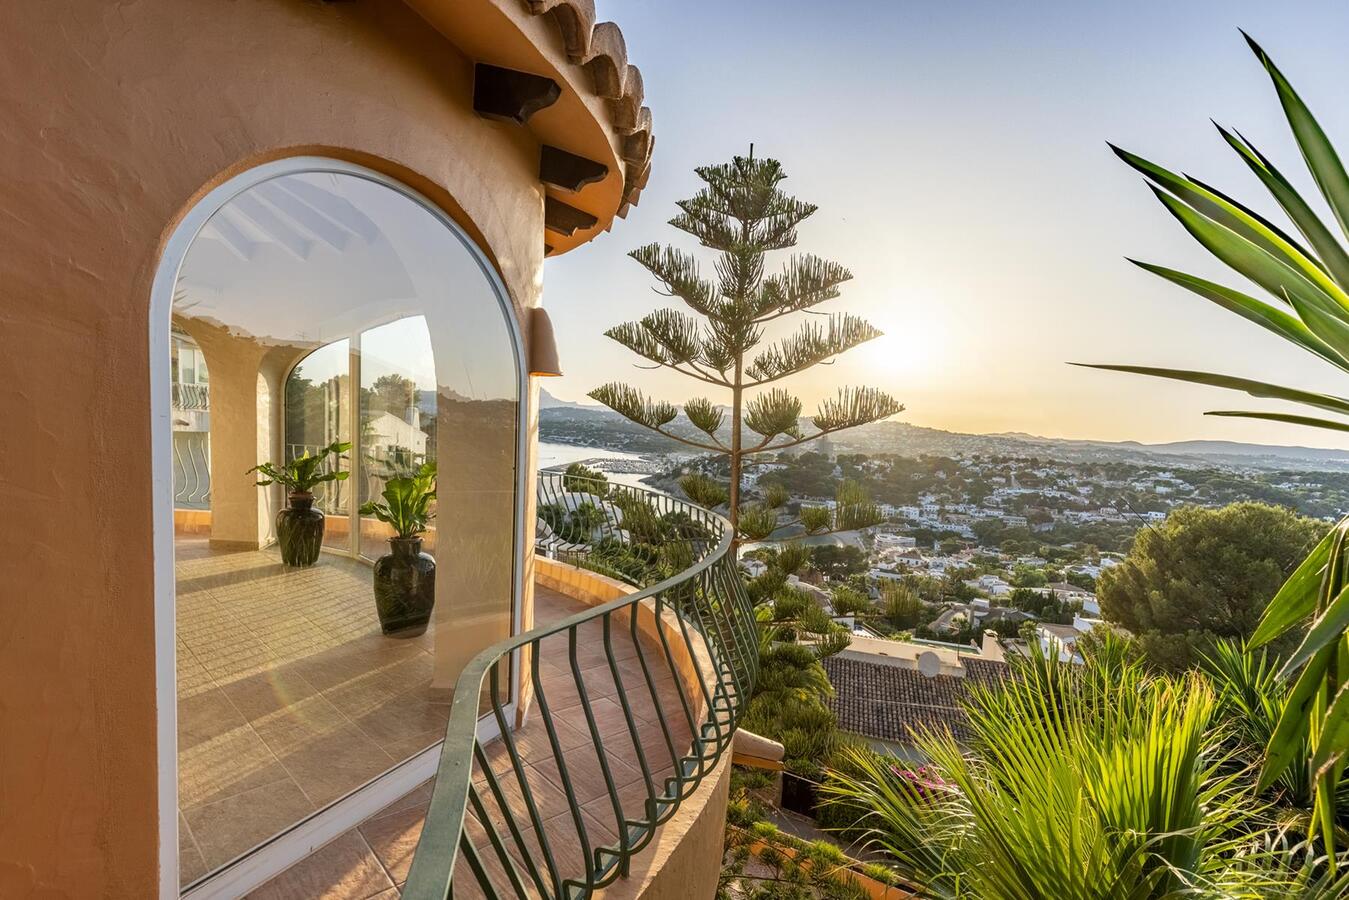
{"x": 598, "y": 115}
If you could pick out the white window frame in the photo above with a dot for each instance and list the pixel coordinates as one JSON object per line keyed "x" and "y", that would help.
{"x": 283, "y": 850}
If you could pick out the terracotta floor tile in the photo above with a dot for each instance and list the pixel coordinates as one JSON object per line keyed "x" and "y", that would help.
{"x": 419, "y": 797}
{"x": 262, "y": 693}
{"x": 406, "y": 724}
{"x": 206, "y": 715}
{"x": 346, "y": 869}
{"x": 226, "y": 828}
{"x": 299, "y": 724}
{"x": 379, "y": 701}
{"x": 333, "y": 764}
{"x": 394, "y": 838}
{"x": 229, "y": 764}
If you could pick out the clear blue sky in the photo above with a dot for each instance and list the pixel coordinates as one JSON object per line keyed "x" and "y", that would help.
{"x": 957, "y": 151}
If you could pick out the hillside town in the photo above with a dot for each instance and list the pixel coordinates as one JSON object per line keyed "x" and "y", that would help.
{"x": 998, "y": 551}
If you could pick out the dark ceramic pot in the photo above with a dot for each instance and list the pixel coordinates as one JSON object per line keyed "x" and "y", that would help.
{"x": 405, "y": 588}
{"x": 299, "y": 530}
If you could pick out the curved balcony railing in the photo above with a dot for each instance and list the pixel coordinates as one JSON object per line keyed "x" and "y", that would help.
{"x": 679, "y": 659}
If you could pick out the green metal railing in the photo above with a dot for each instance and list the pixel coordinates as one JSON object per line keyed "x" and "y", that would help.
{"x": 545, "y": 812}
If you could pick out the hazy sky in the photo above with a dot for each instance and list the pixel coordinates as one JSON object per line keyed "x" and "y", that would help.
{"x": 957, "y": 152}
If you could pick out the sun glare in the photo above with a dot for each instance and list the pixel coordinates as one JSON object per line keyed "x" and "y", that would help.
{"x": 910, "y": 345}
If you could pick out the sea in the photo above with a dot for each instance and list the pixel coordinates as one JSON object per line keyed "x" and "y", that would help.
{"x": 634, "y": 466}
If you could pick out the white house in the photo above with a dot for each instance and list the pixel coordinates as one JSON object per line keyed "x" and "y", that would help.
{"x": 895, "y": 541}
{"x": 386, "y": 431}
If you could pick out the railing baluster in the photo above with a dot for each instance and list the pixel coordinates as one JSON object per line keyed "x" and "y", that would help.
{"x": 526, "y": 793}
{"x": 675, "y": 757}
{"x": 506, "y": 862}
{"x": 635, "y": 734}
{"x": 541, "y": 698}
{"x": 645, "y": 535}
{"x": 599, "y": 747}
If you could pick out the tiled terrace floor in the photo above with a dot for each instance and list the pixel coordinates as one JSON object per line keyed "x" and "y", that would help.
{"x": 289, "y": 697}
{"x": 372, "y": 860}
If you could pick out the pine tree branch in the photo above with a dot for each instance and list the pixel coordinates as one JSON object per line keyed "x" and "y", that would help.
{"x": 810, "y": 346}
{"x": 668, "y": 339}
{"x": 773, "y": 413}
{"x": 705, "y": 417}
{"x": 701, "y": 446}
{"x": 805, "y": 282}
{"x": 695, "y": 371}
{"x": 632, "y": 405}
{"x": 853, "y": 407}
{"x": 765, "y": 447}
{"x": 679, "y": 272}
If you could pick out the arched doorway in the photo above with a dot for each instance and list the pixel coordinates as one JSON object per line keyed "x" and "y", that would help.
{"x": 311, "y": 304}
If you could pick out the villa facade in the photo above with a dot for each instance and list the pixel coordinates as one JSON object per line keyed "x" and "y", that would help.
{"x": 242, "y": 233}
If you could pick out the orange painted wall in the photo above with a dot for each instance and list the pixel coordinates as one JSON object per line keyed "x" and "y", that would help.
{"x": 113, "y": 117}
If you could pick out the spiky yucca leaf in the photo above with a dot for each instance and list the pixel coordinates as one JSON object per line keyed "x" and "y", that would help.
{"x": 1311, "y": 281}
{"x": 1077, "y": 784}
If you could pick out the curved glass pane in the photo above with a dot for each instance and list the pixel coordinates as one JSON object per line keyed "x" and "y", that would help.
{"x": 318, "y": 413}
{"x": 398, "y": 418}
{"x": 329, "y": 309}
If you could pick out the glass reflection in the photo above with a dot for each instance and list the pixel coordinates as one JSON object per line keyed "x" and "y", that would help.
{"x": 318, "y": 413}
{"x": 398, "y": 417}
{"x": 327, "y": 307}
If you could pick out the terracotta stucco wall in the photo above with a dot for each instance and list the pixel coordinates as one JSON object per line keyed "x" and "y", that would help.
{"x": 113, "y": 117}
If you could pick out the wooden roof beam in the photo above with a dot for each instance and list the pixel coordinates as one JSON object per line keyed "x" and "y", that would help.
{"x": 567, "y": 171}
{"x": 510, "y": 95}
{"x": 564, "y": 219}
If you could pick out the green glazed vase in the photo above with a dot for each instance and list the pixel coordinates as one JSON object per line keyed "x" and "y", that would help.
{"x": 299, "y": 530}
{"x": 405, "y": 588}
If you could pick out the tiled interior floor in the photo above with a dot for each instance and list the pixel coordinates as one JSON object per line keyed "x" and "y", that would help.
{"x": 372, "y": 860}
{"x": 288, "y": 695}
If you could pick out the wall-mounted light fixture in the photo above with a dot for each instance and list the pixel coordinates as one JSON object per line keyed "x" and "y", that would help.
{"x": 542, "y": 344}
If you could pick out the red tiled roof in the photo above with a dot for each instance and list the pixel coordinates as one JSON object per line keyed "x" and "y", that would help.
{"x": 888, "y": 703}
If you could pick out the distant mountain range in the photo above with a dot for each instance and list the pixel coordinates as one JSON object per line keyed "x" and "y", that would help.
{"x": 548, "y": 401}
{"x": 589, "y": 424}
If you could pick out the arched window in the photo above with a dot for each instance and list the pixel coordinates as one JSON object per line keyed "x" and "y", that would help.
{"x": 334, "y": 311}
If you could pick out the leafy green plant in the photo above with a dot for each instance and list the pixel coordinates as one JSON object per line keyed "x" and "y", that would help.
{"x": 788, "y": 868}
{"x": 1315, "y": 714}
{"x": 407, "y": 502}
{"x": 1307, "y": 283}
{"x": 1098, "y": 781}
{"x": 581, "y": 478}
{"x": 302, "y": 473}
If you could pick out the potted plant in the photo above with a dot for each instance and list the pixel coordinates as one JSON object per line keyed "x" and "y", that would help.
{"x": 405, "y": 578}
{"x": 299, "y": 526}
